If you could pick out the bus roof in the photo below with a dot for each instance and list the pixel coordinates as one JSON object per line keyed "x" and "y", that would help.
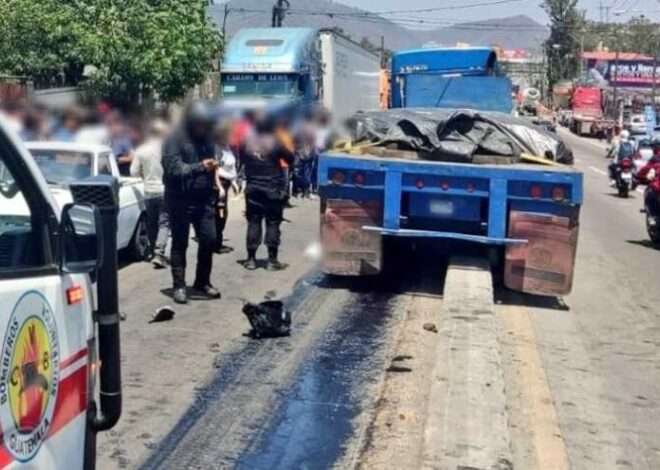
{"x": 472, "y": 60}
{"x": 269, "y": 50}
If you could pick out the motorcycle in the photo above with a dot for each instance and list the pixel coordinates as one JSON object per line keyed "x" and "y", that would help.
{"x": 623, "y": 177}
{"x": 652, "y": 215}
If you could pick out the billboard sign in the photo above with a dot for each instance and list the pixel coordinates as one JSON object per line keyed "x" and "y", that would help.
{"x": 626, "y": 73}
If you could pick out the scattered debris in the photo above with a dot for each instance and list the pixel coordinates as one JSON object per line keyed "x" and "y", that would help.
{"x": 268, "y": 319}
{"x": 430, "y": 327}
{"x": 123, "y": 316}
{"x": 162, "y": 314}
{"x": 214, "y": 347}
{"x": 270, "y": 295}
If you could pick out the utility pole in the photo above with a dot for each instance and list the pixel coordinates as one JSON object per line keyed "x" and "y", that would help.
{"x": 279, "y": 12}
{"x": 382, "y": 52}
{"x": 614, "y": 91}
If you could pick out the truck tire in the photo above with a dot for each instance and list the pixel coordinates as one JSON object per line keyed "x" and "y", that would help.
{"x": 139, "y": 244}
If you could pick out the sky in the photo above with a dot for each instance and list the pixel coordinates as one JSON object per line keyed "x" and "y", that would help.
{"x": 531, "y": 8}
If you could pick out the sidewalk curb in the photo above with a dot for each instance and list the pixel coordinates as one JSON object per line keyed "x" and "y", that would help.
{"x": 467, "y": 422}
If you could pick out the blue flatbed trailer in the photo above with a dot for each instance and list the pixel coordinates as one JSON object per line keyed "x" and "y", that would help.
{"x": 364, "y": 198}
{"x": 531, "y": 211}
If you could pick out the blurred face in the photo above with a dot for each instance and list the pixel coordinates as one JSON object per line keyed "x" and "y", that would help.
{"x": 116, "y": 127}
{"x": 224, "y": 136}
{"x": 71, "y": 122}
{"x": 199, "y": 129}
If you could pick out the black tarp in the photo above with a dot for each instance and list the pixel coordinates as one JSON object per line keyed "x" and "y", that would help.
{"x": 457, "y": 134}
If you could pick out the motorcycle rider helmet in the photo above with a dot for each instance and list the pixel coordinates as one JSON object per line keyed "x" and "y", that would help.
{"x": 199, "y": 118}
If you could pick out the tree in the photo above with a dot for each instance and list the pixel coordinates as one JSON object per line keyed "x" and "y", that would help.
{"x": 40, "y": 39}
{"x": 163, "y": 46}
{"x": 134, "y": 47}
{"x": 562, "y": 48}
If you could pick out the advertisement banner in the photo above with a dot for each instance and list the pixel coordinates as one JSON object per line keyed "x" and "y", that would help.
{"x": 627, "y": 73}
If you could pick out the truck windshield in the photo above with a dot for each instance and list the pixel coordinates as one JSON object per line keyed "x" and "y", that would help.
{"x": 271, "y": 85}
{"x": 63, "y": 166}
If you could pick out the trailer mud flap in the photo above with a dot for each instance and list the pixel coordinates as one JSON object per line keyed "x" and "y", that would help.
{"x": 544, "y": 265}
{"x": 347, "y": 249}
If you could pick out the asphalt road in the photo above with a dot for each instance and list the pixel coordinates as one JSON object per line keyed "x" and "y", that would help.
{"x": 597, "y": 352}
{"x": 362, "y": 382}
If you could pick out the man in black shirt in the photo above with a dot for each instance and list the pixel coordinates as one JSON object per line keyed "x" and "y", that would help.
{"x": 265, "y": 191}
{"x": 189, "y": 167}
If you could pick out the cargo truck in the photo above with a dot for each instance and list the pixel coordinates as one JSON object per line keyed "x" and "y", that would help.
{"x": 526, "y": 214}
{"x": 587, "y": 117}
{"x": 293, "y": 69}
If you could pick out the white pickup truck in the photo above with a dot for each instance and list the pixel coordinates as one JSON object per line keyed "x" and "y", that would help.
{"x": 63, "y": 162}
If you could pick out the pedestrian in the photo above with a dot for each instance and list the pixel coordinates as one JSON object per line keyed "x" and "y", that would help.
{"x": 225, "y": 175}
{"x": 121, "y": 144}
{"x": 71, "y": 123}
{"x": 189, "y": 167}
{"x": 265, "y": 192}
{"x": 305, "y": 154}
{"x": 147, "y": 164}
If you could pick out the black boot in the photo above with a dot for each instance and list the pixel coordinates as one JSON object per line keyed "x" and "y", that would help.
{"x": 273, "y": 264}
{"x": 251, "y": 263}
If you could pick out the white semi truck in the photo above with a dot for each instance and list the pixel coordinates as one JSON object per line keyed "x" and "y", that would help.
{"x": 297, "y": 68}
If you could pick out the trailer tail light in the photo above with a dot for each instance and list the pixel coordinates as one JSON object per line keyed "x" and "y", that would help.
{"x": 420, "y": 183}
{"x": 339, "y": 178}
{"x": 558, "y": 194}
{"x": 358, "y": 179}
{"x": 536, "y": 191}
{"x": 74, "y": 295}
{"x": 470, "y": 188}
{"x": 445, "y": 185}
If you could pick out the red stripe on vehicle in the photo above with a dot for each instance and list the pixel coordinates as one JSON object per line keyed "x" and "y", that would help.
{"x": 5, "y": 457}
{"x": 71, "y": 400}
{"x": 73, "y": 358}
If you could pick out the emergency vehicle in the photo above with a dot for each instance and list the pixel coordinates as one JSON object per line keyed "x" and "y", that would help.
{"x": 52, "y": 338}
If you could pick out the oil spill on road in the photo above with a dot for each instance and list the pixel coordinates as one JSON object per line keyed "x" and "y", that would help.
{"x": 314, "y": 418}
{"x": 233, "y": 364}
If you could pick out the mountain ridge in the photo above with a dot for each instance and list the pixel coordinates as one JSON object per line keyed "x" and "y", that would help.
{"x": 512, "y": 32}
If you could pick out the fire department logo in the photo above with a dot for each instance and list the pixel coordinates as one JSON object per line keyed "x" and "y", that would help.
{"x": 29, "y": 375}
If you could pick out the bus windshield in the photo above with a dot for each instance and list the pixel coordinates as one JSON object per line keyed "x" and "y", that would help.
{"x": 269, "y": 85}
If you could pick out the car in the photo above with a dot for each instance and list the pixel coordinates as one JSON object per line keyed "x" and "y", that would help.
{"x": 637, "y": 124}
{"x": 64, "y": 162}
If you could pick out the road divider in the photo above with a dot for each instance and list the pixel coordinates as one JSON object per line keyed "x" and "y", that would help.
{"x": 467, "y": 422}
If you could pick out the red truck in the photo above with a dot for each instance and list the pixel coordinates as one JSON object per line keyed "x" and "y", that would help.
{"x": 588, "y": 118}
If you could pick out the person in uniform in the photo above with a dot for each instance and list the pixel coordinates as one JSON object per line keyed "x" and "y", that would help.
{"x": 189, "y": 167}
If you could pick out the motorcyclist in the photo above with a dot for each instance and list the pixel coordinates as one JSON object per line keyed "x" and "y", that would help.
{"x": 189, "y": 168}
{"x": 652, "y": 192}
{"x": 621, "y": 147}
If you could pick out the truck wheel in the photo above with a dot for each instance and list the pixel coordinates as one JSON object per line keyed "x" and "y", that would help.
{"x": 139, "y": 246}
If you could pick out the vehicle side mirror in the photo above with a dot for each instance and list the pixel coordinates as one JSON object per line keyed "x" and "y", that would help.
{"x": 81, "y": 238}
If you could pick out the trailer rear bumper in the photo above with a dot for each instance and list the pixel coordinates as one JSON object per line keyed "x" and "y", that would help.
{"x": 452, "y": 235}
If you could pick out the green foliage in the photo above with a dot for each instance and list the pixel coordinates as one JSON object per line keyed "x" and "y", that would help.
{"x": 637, "y": 35}
{"x": 562, "y": 48}
{"x": 136, "y": 46}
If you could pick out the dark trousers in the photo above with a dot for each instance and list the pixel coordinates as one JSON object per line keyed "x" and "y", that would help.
{"x": 302, "y": 180}
{"x": 260, "y": 207}
{"x": 158, "y": 224}
{"x": 200, "y": 213}
{"x": 652, "y": 202}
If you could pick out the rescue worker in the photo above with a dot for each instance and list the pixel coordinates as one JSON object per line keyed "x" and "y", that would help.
{"x": 189, "y": 167}
{"x": 265, "y": 191}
